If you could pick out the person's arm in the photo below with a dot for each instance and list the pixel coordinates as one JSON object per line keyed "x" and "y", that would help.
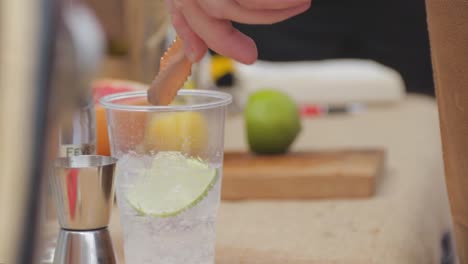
{"x": 203, "y": 24}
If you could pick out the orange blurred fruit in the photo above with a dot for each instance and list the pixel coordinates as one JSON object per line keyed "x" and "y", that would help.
{"x": 105, "y": 87}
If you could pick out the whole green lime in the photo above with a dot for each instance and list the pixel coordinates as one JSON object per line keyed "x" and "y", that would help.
{"x": 272, "y": 121}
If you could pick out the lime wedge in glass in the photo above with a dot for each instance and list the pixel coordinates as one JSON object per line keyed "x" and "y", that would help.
{"x": 171, "y": 185}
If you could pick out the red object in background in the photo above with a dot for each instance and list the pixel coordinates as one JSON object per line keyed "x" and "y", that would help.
{"x": 310, "y": 110}
{"x": 72, "y": 181}
{"x": 320, "y": 110}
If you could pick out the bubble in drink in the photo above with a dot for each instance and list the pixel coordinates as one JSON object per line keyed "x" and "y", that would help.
{"x": 168, "y": 205}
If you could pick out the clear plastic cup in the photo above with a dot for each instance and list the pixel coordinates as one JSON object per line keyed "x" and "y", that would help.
{"x": 169, "y": 173}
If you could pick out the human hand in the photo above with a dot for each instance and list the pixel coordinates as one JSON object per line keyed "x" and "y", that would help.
{"x": 203, "y": 24}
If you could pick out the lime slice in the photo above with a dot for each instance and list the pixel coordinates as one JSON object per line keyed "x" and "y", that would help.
{"x": 171, "y": 185}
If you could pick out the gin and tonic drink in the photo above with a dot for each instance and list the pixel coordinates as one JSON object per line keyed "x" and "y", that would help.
{"x": 169, "y": 174}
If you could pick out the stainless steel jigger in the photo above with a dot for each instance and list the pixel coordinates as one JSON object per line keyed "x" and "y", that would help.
{"x": 83, "y": 187}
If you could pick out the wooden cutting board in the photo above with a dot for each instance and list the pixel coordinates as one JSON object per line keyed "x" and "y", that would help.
{"x": 304, "y": 175}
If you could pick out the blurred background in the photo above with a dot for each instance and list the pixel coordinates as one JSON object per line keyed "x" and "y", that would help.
{"x": 358, "y": 166}
{"x": 363, "y": 29}
{"x": 334, "y": 29}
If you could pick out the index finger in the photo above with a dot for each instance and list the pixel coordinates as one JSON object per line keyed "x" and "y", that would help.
{"x": 272, "y": 4}
{"x": 220, "y": 35}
